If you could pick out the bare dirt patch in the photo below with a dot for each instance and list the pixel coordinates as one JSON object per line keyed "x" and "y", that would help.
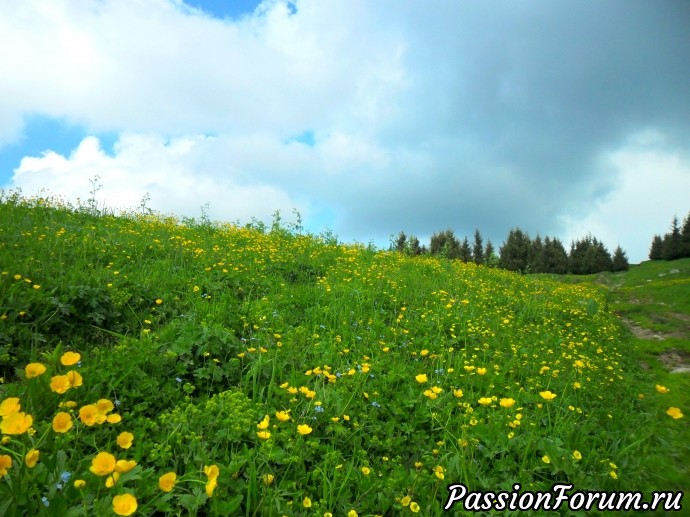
{"x": 642, "y": 333}
{"x": 674, "y": 360}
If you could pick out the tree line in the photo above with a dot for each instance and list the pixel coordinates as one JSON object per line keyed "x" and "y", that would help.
{"x": 674, "y": 244}
{"x": 519, "y": 252}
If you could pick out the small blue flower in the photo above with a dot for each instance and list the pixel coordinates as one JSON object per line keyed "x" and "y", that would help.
{"x": 64, "y": 476}
{"x": 178, "y": 380}
{"x": 375, "y": 404}
{"x": 319, "y": 409}
{"x": 45, "y": 501}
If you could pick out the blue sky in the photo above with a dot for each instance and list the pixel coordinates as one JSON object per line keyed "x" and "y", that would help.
{"x": 562, "y": 118}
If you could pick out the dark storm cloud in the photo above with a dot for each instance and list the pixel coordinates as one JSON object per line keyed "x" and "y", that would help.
{"x": 517, "y": 102}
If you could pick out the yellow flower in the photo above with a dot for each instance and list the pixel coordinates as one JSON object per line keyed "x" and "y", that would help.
{"x": 306, "y": 502}
{"x": 74, "y": 378}
{"x": 158, "y": 301}
{"x": 123, "y": 466}
{"x": 304, "y": 429}
{"x": 352, "y": 513}
{"x": 481, "y": 371}
{"x": 577, "y": 455}
{"x": 79, "y": 484}
{"x": 662, "y": 389}
{"x": 34, "y": 370}
{"x": 547, "y": 395}
{"x": 16, "y": 423}
{"x": 405, "y": 501}
{"x": 264, "y": 435}
{"x": 457, "y": 393}
{"x": 9, "y": 406}
{"x": 124, "y": 440}
{"x": 212, "y": 472}
{"x": 125, "y": 504}
{"x": 32, "y": 458}
{"x": 613, "y": 474}
{"x": 89, "y": 415}
{"x": 366, "y": 471}
{"x": 5, "y": 463}
{"x": 103, "y": 464}
{"x": 545, "y": 458}
{"x": 114, "y": 419}
{"x": 438, "y": 472}
{"x": 430, "y": 394}
{"x": 283, "y": 416}
{"x": 70, "y": 358}
{"x": 577, "y": 385}
{"x": 485, "y": 401}
{"x": 674, "y": 412}
{"x": 414, "y": 507}
{"x": 507, "y": 403}
{"x": 60, "y": 384}
{"x": 112, "y": 479}
{"x": 167, "y": 481}
{"x": 421, "y": 378}
{"x": 263, "y": 424}
{"x": 267, "y": 479}
{"x": 104, "y": 406}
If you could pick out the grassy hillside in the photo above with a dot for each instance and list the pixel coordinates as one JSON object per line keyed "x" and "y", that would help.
{"x": 278, "y": 374}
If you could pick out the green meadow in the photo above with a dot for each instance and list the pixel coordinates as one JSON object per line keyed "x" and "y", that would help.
{"x": 156, "y": 366}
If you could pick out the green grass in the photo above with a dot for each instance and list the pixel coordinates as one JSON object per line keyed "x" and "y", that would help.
{"x": 398, "y": 368}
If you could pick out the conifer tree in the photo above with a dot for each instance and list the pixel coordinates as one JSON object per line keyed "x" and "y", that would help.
{"x": 465, "y": 251}
{"x": 555, "y": 257}
{"x": 478, "y": 249}
{"x": 414, "y": 247}
{"x": 537, "y": 256}
{"x": 515, "y": 252}
{"x": 656, "y": 251}
{"x": 685, "y": 237}
{"x": 490, "y": 258}
{"x": 620, "y": 260}
{"x": 400, "y": 242}
{"x": 673, "y": 244}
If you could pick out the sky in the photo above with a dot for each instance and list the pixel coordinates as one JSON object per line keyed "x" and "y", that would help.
{"x": 563, "y": 118}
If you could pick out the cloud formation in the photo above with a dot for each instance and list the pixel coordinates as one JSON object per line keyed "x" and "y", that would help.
{"x": 423, "y": 116}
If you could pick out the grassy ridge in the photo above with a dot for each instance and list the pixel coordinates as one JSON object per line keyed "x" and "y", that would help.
{"x": 317, "y": 377}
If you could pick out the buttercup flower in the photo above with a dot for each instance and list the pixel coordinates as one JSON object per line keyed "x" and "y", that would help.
{"x": 405, "y": 501}
{"x": 60, "y": 384}
{"x": 5, "y": 463}
{"x": 507, "y": 403}
{"x": 263, "y": 424}
{"x": 283, "y": 416}
{"x": 547, "y": 395}
{"x": 167, "y": 481}
{"x": 34, "y": 370}
{"x": 577, "y": 455}
{"x": 267, "y": 479}
{"x": 16, "y": 423}
{"x": 124, "y": 440}
{"x": 89, "y": 415}
{"x": 9, "y": 406}
{"x": 212, "y": 472}
{"x": 70, "y": 358}
{"x": 414, "y": 507}
{"x": 264, "y": 435}
{"x": 674, "y": 412}
{"x": 79, "y": 484}
{"x": 125, "y": 504}
{"x": 662, "y": 389}
{"x": 438, "y": 472}
{"x": 545, "y": 458}
{"x": 366, "y": 471}
{"x": 421, "y": 378}
{"x": 74, "y": 378}
{"x": 306, "y": 502}
{"x": 122, "y": 466}
{"x": 103, "y": 464}
{"x": 485, "y": 401}
{"x": 32, "y": 458}
{"x": 112, "y": 479}
{"x": 304, "y": 429}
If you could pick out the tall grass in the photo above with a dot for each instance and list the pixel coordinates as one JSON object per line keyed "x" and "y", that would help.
{"x": 318, "y": 377}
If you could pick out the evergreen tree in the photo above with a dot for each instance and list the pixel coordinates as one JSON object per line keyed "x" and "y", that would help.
{"x": 555, "y": 257}
{"x": 400, "y": 242}
{"x": 490, "y": 258}
{"x": 589, "y": 256}
{"x": 620, "y": 260}
{"x": 414, "y": 247}
{"x": 465, "y": 251}
{"x": 445, "y": 244}
{"x": 673, "y": 244}
{"x": 685, "y": 237}
{"x": 515, "y": 252}
{"x": 537, "y": 256}
{"x": 656, "y": 251}
{"x": 478, "y": 249}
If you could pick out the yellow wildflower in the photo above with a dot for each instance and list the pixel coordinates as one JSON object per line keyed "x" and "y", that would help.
{"x": 125, "y": 504}
{"x": 32, "y": 458}
{"x": 16, "y": 423}
{"x": 62, "y": 422}
{"x": 5, "y": 463}
{"x": 70, "y": 358}
{"x": 34, "y": 370}
{"x": 103, "y": 464}
{"x": 124, "y": 440}
{"x": 167, "y": 481}
{"x": 9, "y": 406}
{"x": 674, "y": 412}
{"x": 421, "y": 378}
{"x": 547, "y": 395}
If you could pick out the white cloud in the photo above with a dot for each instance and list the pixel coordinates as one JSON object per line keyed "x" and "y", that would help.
{"x": 425, "y": 116}
{"x": 653, "y": 187}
